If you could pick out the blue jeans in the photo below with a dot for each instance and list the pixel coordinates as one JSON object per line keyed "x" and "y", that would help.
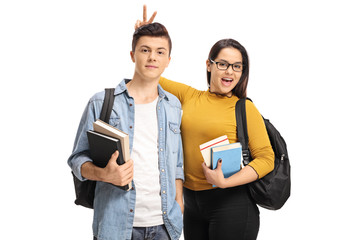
{"x": 149, "y": 233}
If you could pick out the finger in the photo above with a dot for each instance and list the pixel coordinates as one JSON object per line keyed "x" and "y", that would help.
{"x": 114, "y": 156}
{"x": 152, "y": 17}
{"x": 144, "y": 13}
{"x": 137, "y": 24}
{"x": 204, "y": 166}
{"x": 219, "y": 164}
{"x": 127, "y": 177}
{"x": 128, "y": 166}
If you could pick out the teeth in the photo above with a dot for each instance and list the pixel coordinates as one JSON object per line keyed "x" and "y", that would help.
{"x": 227, "y": 79}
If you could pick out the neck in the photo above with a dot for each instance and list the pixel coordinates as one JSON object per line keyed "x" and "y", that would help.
{"x": 143, "y": 91}
{"x": 229, "y": 94}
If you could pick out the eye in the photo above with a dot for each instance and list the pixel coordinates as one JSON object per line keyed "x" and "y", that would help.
{"x": 222, "y": 64}
{"x": 237, "y": 66}
{"x": 144, "y": 50}
{"x": 161, "y": 52}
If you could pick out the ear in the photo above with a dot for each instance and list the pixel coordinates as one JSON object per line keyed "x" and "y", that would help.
{"x": 168, "y": 62}
{"x": 132, "y": 56}
{"x": 208, "y": 65}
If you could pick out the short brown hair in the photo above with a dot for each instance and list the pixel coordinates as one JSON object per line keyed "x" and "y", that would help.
{"x": 151, "y": 30}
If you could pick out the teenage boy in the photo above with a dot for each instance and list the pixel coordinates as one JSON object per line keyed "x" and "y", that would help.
{"x": 152, "y": 209}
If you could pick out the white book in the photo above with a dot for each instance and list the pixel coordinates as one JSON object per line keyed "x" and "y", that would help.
{"x": 107, "y": 129}
{"x": 205, "y": 148}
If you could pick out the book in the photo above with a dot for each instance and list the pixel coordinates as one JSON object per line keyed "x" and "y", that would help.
{"x": 107, "y": 129}
{"x": 101, "y": 149}
{"x": 231, "y": 156}
{"x": 205, "y": 148}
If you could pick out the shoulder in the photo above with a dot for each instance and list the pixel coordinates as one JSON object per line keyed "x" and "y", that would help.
{"x": 251, "y": 108}
{"x": 97, "y": 98}
{"x": 173, "y": 100}
{"x": 118, "y": 90}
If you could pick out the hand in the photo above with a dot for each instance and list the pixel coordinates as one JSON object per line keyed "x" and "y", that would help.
{"x": 216, "y": 176}
{"x": 118, "y": 175}
{"x": 144, "y": 22}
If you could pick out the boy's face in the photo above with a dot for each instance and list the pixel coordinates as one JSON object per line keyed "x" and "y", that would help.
{"x": 151, "y": 57}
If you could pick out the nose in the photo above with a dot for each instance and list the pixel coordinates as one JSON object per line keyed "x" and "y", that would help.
{"x": 152, "y": 56}
{"x": 229, "y": 70}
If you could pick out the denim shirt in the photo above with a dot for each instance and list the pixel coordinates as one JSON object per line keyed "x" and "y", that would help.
{"x": 113, "y": 207}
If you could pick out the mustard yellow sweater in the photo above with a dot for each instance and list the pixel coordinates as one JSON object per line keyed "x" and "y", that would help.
{"x": 207, "y": 116}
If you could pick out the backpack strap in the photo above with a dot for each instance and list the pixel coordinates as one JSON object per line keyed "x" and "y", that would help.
{"x": 107, "y": 105}
{"x": 241, "y": 127}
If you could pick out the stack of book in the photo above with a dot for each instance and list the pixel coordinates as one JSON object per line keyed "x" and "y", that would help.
{"x": 229, "y": 153}
{"x": 104, "y": 141}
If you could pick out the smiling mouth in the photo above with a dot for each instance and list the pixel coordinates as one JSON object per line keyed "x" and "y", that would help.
{"x": 227, "y": 80}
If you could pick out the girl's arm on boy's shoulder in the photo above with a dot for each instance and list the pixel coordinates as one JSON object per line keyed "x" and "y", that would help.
{"x": 180, "y": 90}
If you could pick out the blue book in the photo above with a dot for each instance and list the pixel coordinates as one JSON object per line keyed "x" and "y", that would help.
{"x": 231, "y": 155}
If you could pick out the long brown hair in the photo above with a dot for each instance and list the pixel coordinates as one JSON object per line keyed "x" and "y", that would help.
{"x": 240, "y": 89}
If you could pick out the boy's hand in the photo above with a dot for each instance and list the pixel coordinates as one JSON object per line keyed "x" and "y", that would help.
{"x": 118, "y": 175}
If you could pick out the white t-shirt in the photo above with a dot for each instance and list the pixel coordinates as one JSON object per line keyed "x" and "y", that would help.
{"x": 146, "y": 166}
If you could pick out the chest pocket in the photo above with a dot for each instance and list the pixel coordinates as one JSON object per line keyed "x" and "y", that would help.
{"x": 115, "y": 122}
{"x": 174, "y": 136}
{"x": 174, "y": 127}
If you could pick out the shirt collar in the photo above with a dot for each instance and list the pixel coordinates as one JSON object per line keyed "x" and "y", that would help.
{"x": 122, "y": 88}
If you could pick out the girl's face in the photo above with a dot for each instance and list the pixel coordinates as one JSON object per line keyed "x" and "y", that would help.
{"x": 223, "y": 81}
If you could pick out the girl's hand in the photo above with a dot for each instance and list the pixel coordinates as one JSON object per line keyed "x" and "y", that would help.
{"x": 144, "y": 21}
{"x": 216, "y": 176}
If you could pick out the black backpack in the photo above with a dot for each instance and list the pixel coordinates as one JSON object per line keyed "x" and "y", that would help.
{"x": 85, "y": 191}
{"x": 273, "y": 190}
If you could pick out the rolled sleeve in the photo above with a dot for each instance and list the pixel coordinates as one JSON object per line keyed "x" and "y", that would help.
{"x": 180, "y": 160}
{"x": 180, "y": 173}
{"x": 80, "y": 153}
{"x": 77, "y": 162}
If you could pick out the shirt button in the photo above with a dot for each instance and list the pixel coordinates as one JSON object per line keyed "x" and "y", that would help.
{"x": 131, "y": 210}
{"x": 159, "y": 108}
{"x": 163, "y": 192}
{"x": 130, "y": 127}
{"x": 164, "y": 213}
{"x": 161, "y": 150}
{"x": 163, "y": 170}
{"x": 160, "y": 129}
{"x": 130, "y": 104}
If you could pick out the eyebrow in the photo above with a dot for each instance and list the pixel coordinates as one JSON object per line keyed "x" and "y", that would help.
{"x": 223, "y": 60}
{"x": 160, "y": 48}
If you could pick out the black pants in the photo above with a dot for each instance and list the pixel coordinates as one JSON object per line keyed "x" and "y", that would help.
{"x": 220, "y": 214}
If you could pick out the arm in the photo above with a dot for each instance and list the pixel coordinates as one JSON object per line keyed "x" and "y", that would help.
{"x": 216, "y": 176}
{"x": 180, "y": 90}
{"x": 179, "y": 193}
{"x": 80, "y": 162}
{"x": 179, "y": 170}
{"x": 261, "y": 151}
{"x": 259, "y": 142}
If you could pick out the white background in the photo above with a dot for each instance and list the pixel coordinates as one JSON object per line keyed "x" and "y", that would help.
{"x": 54, "y": 55}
